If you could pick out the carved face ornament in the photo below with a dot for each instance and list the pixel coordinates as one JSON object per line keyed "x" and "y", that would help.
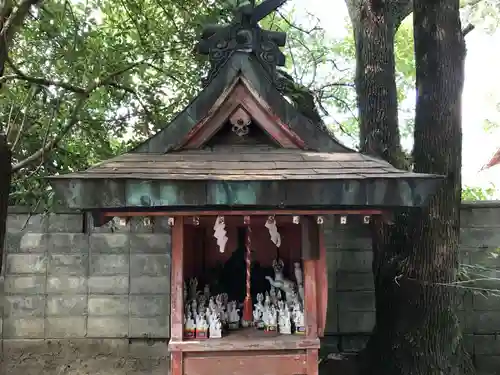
{"x": 240, "y": 122}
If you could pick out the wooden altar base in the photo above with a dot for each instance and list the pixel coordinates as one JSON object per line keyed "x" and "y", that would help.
{"x": 248, "y": 351}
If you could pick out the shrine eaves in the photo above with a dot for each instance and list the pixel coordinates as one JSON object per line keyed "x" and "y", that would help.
{"x": 219, "y": 42}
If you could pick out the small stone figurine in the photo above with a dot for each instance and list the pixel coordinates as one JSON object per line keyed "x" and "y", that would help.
{"x": 257, "y": 312}
{"x": 193, "y": 285}
{"x": 201, "y": 326}
{"x": 272, "y": 324}
{"x": 234, "y": 316}
{"x": 189, "y": 326}
{"x": 298, "y": 319}
{"x": 284, "y": 321}
{"x": 215, "y": 330}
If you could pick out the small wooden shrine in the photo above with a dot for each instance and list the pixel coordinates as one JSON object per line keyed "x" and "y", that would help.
{"x": 246, "y": 180}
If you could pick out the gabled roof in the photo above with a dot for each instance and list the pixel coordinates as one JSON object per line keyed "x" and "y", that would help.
{"x": 306, "y": 166}
{"x": 242, "y": 69}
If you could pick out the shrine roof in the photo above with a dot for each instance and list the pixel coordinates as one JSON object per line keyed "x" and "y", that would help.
{"x": 246, "y": 68}
{"x": 244, "y": 176}
{"x": 243, "y": 163}
{"x": 211, "y": 154}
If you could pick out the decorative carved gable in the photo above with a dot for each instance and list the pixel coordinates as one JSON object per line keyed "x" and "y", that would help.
{"x": 248, "y": 117}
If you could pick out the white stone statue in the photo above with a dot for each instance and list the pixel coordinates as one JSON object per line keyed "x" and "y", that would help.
{"x": 298, "y": 319}
{"x": 189, "y": 326}
{"x": 194, "y": 306}
{"x": 211, "y": 303}
{"x": 202, "y": 300}
{"x": 272, "y": 295}
{"x": 209, "y": 313}
{"x": 284, "y": 319}
{"x": 233, "y": 315}
{"x": 220, "y": 233}
{"x": 193, "y": 291}
{"x": 279, "y": 281}
{"x": 266, "y": 316}
{"x": 257, "y": 311}
{"x": 272, "y": 324}
{"x": 201, "y": 326}
{"x": 215, "y": 330}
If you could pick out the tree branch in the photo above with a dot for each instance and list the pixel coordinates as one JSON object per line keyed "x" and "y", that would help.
{"x": 73, "y": 119}
{"x": 467, "y": 29}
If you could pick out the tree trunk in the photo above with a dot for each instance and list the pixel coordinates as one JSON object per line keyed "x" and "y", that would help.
{"x": 416, "y": 259}
{"x": 5, "y": 176}
{"x": 375, "y": 24}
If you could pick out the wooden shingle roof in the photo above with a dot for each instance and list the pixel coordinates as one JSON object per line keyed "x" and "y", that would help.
{"x": 243, "y": 163}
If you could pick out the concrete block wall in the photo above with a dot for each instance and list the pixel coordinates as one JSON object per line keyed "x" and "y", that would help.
{"x": 68, "y": 288}
{"x": 351, "y": 309}
{"x": 100, "y": 298}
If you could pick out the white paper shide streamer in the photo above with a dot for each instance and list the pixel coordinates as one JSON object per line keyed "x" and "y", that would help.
{"x": 273, "y": 231}
{"x": 220, "y": 233}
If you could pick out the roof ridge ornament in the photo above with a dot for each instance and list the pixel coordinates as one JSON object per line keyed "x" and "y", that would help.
{"x": 244, "y": 34}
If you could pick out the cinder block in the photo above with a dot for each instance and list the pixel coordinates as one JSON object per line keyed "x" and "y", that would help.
{"x": 487, "y": 364}
{"x": 107, "y": 327}
{"x": 355, "y": 281}
{"x": 150, "y": 285}
{"x": 144, "y": 349}
{"x": 20, "y": 306}
{"x": 32, "y": 328}
{"x": 487, "y": 344}
{"x": 355, "y": 301}
{"x": 66, "y": 305}
{"x": 487, "y": 258}
{"x": 353, "y": 343}
{"x": 26, "y": 263}
{"x": 347, "y": 240}
{"x": 27, "y": 222}
{"x": 149, "y": 264}
{"x": 32, "y": 243}
{"x": 13, "y": 242}
{"x": 158, "y": 327}
{"x": 24, "y": 242}
{"x": 150, "y": 243}
{"x": 60, "y": 243}
{"x": 474, "y": 217}
{"x": 482, "y": 303}
{"x": 108, "y": 284}
{"x": 486, "y": 322}
{"x": 355, "y": 261}
{"x": 108, "y": 305}
{"x": 67, "y": 284}
{"x": 64, "y": 327}
{"x": 479, "y": 237}
{"x": 117, "y": 243}
{"x": 24, "y": 285}
{"x": 148, "y": 306}
{"x": 356, "y": 322}
{"x": 68, "y": 264}
{"x": 69, "y": 223}
{"x": 109, "y": 264}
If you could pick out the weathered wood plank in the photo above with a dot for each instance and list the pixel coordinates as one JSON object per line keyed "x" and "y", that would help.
{"x": 276, "y": 364}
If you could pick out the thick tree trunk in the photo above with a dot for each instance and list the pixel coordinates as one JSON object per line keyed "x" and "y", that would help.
{"x": 375, "y": 24}
{"x": 415, "y": 260}
{"x": 5, "y": 176}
